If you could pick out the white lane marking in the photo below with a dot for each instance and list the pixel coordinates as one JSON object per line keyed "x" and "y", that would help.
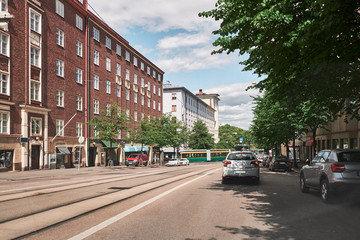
{"x": 118, "y": 217}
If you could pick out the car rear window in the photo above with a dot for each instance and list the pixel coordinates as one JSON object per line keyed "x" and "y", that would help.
{"x": 134, "y": 156}
{"x": 281, "y": 159}
{"x": 349, "y": 157}
{"x": 241, "y": 156}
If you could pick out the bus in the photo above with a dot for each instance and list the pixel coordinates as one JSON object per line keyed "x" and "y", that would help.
{"x": 205, "y": 155}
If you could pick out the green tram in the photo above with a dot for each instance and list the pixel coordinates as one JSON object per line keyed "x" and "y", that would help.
{"x": 204, "y": 155}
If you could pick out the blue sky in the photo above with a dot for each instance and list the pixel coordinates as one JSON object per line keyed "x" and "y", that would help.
{"x": 170, "y": 34}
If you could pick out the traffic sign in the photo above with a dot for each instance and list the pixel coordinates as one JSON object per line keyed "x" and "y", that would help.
{"x": 81, "y": 139}
{"x": 241, "y": 140}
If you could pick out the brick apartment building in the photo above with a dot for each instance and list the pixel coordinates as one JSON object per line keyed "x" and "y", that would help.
{"x": 59, "y": 66}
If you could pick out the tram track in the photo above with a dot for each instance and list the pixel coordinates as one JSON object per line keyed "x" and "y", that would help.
{"x": 21, "y": 227}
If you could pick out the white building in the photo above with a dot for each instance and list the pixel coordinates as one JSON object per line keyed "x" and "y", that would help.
{"x": 188, "y": 108}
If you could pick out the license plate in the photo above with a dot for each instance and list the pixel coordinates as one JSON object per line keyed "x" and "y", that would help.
{"x": 282, "y": 162}
{"x": 240, "y": 171}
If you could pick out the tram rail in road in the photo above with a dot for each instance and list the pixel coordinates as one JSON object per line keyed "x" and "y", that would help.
{"x": 24, "y": 226}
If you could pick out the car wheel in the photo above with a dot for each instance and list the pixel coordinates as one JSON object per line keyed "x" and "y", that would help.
{"x": 324, "y": 190}
{"x": 224, "y": 180}
{"x": 303, "y": 186}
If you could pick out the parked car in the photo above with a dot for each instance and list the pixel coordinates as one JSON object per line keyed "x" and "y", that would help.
{"x": 280, "y": 163}
{"x": 332, "y": 171}
{"x": 173, "y": 162}
{"x": 136, "y": 159}
{"x": 241, "y": 164}
{"x": 184, "y": 161}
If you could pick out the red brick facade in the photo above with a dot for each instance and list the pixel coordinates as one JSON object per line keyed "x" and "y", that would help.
{"x": 48, "y": 66}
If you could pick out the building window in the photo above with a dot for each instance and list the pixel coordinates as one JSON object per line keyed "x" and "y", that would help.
{"x": 173, "y": 96}
{"x": 159, "y": 107}
{"x": 96, "y": 34}
{"x": 148, "y": 70}
{"x": 148, "y": 102}
{"x": 96, "y": 82}
{"x": 79, "y": 101}
{"x": 79, "y": 22}
{"x": 79, "y": 75}
{"x": 127, "y": 76}
{"x": 135, "y": 61}
{"x": 4, "y": 122}
{"x": 154, "y": 105}
{"x": 35, "y": 126}
{"x": 59, "y": 37}
{"x": 96, "y": 57}
{"x": 118, "y": 69}
{"x": 60, "y": 8}
{"x": 127, "y": 56}
{"x": 35, "y": 91}
{"x": 107, "y": 42}
{"x": 149, "y": 86}
{"x": 159, "y": 92}
{"x": 154, "y": 89}
{"x": 79, "y": 129}
{"x": 96, "y": 106}
{"x": 4, "y": 5}
{"x": 127, "y": 94}
{"x": 135, "y": 97}
{"x": 154, "y": 74}
{"x": 142, "y": 82}
{"x": 108, "y": 109}
{"x": 118, "y": 90}
{"x": 59, "y": 68}
{"x": 127, "y": 111}
{"x": 35, "y": 56}
{"x": 142, "y": 66}
{"x": 118, "y": 49}
{"x": 60, "y": 127}
{"x": 4, "y": 83}
{"x": 79, "y": 50}
{"x": 108, "y": 87}
{"x": 81, "y": 1}
{"x": 135, "y": 116}
{"x": 142, "y": 100}
{"x": 35, "y": 19}
{"x": 135, "y": 79}
{"x": 59, "y": 98}
{"x": 159, "y": 77}
{"x": 4, "y": 44}
{"x": 108, "y": 64}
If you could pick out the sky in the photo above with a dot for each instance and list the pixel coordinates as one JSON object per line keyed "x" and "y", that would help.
{"x": 172, "y": 35}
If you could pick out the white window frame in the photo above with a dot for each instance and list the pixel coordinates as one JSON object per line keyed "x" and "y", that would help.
{"x": 79, "y": 22}
{"x": 135, "y": 97}
{"x": 154, "y": 105}
{"x": 127, "y": 76}
{"x": 154, "y": 74}
{"x": 107, "y": 42}
{"x": 135, "y": 79}
{"x": 118, "y": 49}
{"x": 59, "y": 37}
{"x": 4, "y": 44}
{"x": 96, "y": 106}
{"x": 154, "y": 89}
{"x": 142, "y": 83}
{"x": 35, "y": 21}
{"x": 96, "y": 57}
{"x": 4, "y": 83}
{"x": 142, "y": 100}
{"x": 59, "y": 8}
{"x": 79, "y": 48}
{"x": 108, "y": 64}
{"x": 142, "y": 66}
{"x": 127, "y": 95}
{"x": 60, "y": 68}
{"x": 118, "y": 69}
{"x": 35, "y": 90}
{"x": 135, "y": 116}
{"x": 148, "y": 70}
{"x": 159, "y": 77}
{"x": 79, "y": 75}
{"x": 4, "y": 122}
{"x": 4, "y": 5}
{"x": 36, "y": 130}
{"x": 35, "y": 56}
{"x": 79, "y": 103}
{"x": 127, "y": 56}
{"x": 60, "y": 98}
{"x": 96, "y": 81}
{"x": 79, "y": 129}
{"x": 59, "y": 127}
{"x": 135, "y": 61}
{"x": 108, "y": 109}
{"x": 159, "y": 91}
{"x": 118, "y": 90}
{"x": 159, "y": 106}
{"x": 108, "y": 87}
{"x": 96, "y": 34}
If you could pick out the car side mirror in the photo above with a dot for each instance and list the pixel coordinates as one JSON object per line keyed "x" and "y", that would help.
{"x": 307, "y": 162}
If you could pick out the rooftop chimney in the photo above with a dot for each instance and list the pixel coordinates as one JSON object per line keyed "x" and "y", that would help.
{"x": 200, "y": 92}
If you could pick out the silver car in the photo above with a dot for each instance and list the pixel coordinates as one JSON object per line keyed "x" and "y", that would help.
{"x": 241, "y": 164}
{"x": 332, "y": 171}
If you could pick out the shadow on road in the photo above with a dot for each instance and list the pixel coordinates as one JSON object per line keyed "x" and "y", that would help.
{"x": 287, "y": 213}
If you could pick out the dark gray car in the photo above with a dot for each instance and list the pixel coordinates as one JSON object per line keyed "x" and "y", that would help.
{"x": 332, "y": 171}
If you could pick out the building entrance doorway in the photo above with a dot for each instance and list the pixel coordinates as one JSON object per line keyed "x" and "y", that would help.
{"x": 35, "y": 156}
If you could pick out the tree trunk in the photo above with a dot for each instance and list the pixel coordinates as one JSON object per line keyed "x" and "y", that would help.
{"x": 287, "y": 150}
{"x": 314, "y": 142}
{"x": 294, "y": 153}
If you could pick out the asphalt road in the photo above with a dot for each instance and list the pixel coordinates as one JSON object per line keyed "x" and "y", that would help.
{"x": 169, "y": 203}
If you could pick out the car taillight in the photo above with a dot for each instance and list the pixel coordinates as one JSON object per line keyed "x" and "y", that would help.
{"x": 275, "y": 162}
{"x": 289, "y": 163}
{"x": 226, "y": 163}
{"x": 256, "y": 163}
{"x": 337, "y": 167}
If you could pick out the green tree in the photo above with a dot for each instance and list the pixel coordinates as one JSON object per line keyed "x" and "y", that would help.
{"x": 109, "y": 124}
{"x": 306, "y": 47}
{"x": 174, "y": 132}
{"x": 229, "y": 137}
{"x": 200, "y": 138}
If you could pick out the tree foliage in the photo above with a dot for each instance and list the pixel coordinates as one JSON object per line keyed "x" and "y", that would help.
{"x": 229, "y": 136}
{"x": 200, "y": 138}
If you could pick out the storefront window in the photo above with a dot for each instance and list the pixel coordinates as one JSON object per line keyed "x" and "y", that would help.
{"x": 6, "y": 158}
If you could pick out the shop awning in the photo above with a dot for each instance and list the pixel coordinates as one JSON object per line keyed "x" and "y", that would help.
{"x": 309, "y": 143}
{"x": 135, "y": 148}
{"x": 62, "y": 150}
{"x": 107, "y": 144}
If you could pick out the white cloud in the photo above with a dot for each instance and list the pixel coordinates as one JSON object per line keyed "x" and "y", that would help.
{"x": 236, "y": 104}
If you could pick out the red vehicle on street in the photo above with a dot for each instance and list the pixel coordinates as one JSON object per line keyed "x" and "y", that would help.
{"x": 136, "y": 159}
